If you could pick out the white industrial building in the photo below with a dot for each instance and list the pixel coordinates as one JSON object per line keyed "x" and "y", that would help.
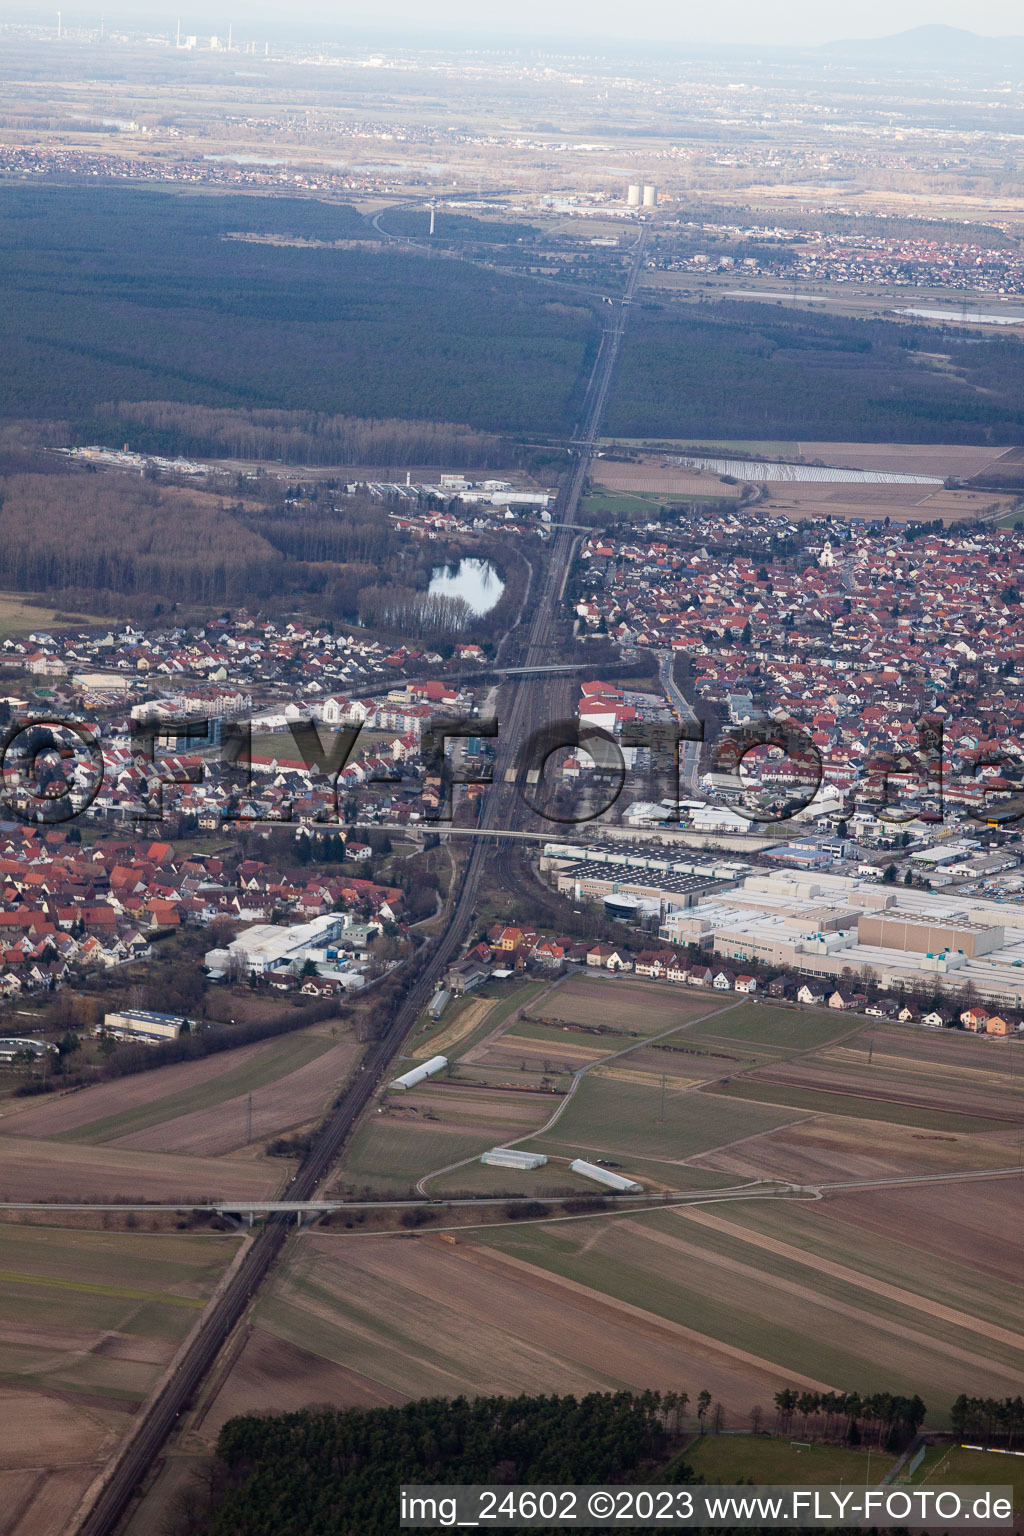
{"x": 511, "y": 1157}
{"x": 825, "y": 925}
{"x": 140, "y": 1024}
{"x": 606, "y": 1177}
{"x": 269, "y": 946}
{"x": 419, "y": 1074}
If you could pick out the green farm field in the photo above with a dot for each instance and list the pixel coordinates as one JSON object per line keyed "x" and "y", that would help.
{"x": 760, "y": 1024}
{"x": 835, "y": 1233}
{"x": 816, "y": 1323}
{"x": 343, "y": 1320}
{"x": 433, "y": 1126}
{"x": 609, "y": 1115}
{"x": 90, "y": 1323}
{"x": 273, "y": 1062}
{"x": 644, "y": 1006}
{"x": 91, "y": 1312}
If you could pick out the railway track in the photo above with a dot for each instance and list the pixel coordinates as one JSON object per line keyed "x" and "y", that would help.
{"x": 525, "y": 711}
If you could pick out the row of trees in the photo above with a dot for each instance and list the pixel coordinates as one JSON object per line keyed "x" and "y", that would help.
{"x": 891, "y": 1419}
{"x": 989, "y": 1418}
{"x": 413, "y": 613}
{"x": 302, "y": 437}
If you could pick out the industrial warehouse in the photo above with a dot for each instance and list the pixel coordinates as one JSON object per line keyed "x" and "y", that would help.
{"x": 833, "y": 926}
{"x": 634, "y": 881}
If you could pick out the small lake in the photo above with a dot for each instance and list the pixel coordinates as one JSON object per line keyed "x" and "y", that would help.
{"x": 475, "y": 580}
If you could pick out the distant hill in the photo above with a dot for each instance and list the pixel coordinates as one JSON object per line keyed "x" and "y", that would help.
{"x": 933, "y": 44}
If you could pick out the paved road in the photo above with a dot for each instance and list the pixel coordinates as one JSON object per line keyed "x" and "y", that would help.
{"x": 522, "y": 714}
{"x": 689, "y": 751}
{"x": 755, "y": 1188}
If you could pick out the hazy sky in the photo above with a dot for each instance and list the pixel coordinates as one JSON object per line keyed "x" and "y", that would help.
{"x": 762, "y": 21}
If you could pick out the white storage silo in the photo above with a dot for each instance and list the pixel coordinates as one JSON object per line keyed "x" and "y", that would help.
{"x": 650, "y": 197}
{"x": 633, "y": 196}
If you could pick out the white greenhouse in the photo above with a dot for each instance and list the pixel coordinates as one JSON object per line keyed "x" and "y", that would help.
{"x": 605, "y": 1176}
{"x": 417, "y": 1074}
{"x": 510, "y": 1157}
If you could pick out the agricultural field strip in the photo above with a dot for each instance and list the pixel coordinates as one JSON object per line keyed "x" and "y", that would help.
{"x": 535, "y": 1286}
{"x": 822, "y": 1101}
{"x": 56, "y": 1174}
{"x": 930, "y": 1254}
{"x": 773, "y": 1282}
{"x": 337, "y": 1318}
{"x": 922, "y": 1087}
{"x": 497, "y": 1020}
{"x": 799, "y": 1332}
{"x": 224, "y": 1130}
{"x": 396, "y": 1353}
{"x": 896, "y": 1293}
{"x": 602, "y": 1303}
{"x": 51, "y": 1282}
{"x": 475, "y": 1014}
{"x": 270, "y": 1067}
{"x": 577, "y": 1078}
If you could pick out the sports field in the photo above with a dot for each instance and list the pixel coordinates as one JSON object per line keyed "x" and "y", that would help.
{"x": 771, "y": 1459}
{"x": 953, "y": 1466}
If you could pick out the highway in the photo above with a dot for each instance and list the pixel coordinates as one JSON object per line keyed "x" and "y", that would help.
{"x": 524, "y": 710}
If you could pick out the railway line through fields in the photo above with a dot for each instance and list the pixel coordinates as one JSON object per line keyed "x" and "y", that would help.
{"x": 524, "y": 710}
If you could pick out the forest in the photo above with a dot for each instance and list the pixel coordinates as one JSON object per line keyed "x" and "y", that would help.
{"x": 338, "y": 1473}
{"x": 750, "y": 370}
{"x": 294, "y": 437}
{"x": 105, "y": 542}
{"x": 130, "y": 294}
